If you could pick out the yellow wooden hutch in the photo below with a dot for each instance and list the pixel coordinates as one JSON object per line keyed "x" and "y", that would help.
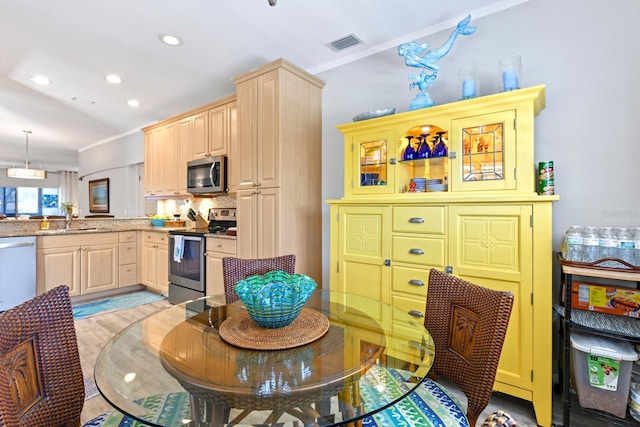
{"x": 484, "y": 223}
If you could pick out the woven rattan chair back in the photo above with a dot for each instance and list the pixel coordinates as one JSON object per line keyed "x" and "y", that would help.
{"x": 468, "y": 324}
{"x": 41, "y": 382}
{"x": 236, "y": 269}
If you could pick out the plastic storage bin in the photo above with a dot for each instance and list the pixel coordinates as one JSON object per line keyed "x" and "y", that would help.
{"x": 601, "y": 372}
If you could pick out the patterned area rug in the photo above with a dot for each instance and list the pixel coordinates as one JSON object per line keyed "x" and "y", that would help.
{"x": 431, "y": 405}
{"x": 114, "y": 303}
{"x": 164, "y": 409}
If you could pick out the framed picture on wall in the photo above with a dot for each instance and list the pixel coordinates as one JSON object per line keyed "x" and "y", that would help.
{"x": 99, "y": 195}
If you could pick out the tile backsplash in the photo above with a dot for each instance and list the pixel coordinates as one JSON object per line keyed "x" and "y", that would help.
{"x": 198, "y": 204}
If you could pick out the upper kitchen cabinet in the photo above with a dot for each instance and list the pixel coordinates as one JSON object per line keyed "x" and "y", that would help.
{"x": 212, "y": 129}
{"x": 209, "y": 130}
{"x": 482, "y": 144}
{"x": 194, "y": 135}
{"x": 161, "y": 160}
{"x": 278, "y": 159}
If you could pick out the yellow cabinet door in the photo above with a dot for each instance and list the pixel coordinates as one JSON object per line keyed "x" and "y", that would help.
{"x": 491, "y": 245}
{"x": 485, "y": 149}
{"x": 372, "y": 161}
{"x": 363, "y": 252}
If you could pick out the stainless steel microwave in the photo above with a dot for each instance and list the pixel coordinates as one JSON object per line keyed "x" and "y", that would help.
{"x": 207, "y": 176}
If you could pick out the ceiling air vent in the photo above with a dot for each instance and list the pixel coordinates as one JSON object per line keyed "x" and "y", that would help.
{"x": 344, "y": 42}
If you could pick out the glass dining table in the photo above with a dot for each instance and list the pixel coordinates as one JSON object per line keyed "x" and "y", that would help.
{"x": 325, "y": 370}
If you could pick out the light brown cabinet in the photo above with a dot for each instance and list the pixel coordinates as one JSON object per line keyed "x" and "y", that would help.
{"x": 216, "y": 249}
{"x": 209, "y": 130}
{"x": 155, "y": 260}
{"x": 195, "y": 135}
{"x": 278, "y": 154}
{"x": 161, "y": 161}
{"x": 86, "y": 263}
{"x": 127, "y": 258}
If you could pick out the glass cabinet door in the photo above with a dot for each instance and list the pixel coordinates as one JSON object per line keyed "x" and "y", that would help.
{"x": 485, "y": 152}
{"x": 372, "y": 157}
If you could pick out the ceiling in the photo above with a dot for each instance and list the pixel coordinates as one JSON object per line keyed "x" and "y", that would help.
{"x": 76, "y": 43}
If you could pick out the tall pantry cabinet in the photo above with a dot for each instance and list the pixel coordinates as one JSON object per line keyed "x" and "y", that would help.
{"x": 278, "y": 158}
{"x": 480, "y": 219}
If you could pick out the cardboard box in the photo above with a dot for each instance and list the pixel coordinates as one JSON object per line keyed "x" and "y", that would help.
{"x": 605, "y": 299}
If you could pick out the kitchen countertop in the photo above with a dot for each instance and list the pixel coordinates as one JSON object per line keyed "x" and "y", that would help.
{"x": 86, "y": 226}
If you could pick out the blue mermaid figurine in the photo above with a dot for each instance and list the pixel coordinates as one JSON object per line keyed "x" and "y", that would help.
{"x": 417, "y": 55}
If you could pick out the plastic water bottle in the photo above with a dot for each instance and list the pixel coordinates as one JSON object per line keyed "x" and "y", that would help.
{"x": 626, "y": 247}
{"x": 591, "y": 242}
{"x": 573, "y": 244}
{"x": 636, "y": 240}
{"x": 608, "y": 246}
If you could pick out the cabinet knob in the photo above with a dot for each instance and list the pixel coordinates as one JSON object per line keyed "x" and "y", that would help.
{"x": 416, "y": 282}
{"x": 416, "y": 251}
{"x": 416, "y": 220}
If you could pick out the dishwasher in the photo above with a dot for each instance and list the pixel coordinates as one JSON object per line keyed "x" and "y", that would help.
{"x": 17, "y": 270}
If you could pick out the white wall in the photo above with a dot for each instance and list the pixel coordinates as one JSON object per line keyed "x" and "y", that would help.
{"x": 119, "y": 160}
{"x": 586, "y": 56}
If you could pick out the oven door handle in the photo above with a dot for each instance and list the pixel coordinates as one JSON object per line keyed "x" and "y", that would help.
{"x": 186, "y": 237}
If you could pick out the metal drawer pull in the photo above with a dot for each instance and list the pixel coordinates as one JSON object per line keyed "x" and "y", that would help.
{"x": 416, "y": 282}
{"x": 415, "y": 251}
{"x": 416, "y": 220}
{"x": 416, "y": 313}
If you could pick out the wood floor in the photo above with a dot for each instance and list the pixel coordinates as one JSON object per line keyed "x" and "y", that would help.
{"x": 93, "y": 333}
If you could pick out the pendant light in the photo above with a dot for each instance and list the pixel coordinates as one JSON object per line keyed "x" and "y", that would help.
{"x": 26, "y": 172}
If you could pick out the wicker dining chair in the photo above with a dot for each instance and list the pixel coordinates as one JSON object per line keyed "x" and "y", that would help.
{"x": 236, "y": 269}
{"x": 468, "y": 324}
{"x": 41, "y": 381}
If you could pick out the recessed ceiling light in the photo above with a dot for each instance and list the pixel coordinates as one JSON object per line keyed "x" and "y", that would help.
{"x": 170, "y": 40}
{"x": 114, "y": 78}
{"x": 42, "y": 80}
{"x": 133, "y": 103}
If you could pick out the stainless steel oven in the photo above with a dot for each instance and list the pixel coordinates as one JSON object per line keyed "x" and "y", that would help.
{"x": 187, "y": 270}
{"x": 187, "y": 274}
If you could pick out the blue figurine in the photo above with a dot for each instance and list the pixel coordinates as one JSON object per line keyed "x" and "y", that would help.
{"x": 416, "y": 55}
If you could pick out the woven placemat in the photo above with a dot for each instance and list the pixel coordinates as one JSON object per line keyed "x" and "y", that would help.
{"x": 240, "y": 330}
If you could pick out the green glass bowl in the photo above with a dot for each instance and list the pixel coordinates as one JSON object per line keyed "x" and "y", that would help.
{"x": 276, "y": 298}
